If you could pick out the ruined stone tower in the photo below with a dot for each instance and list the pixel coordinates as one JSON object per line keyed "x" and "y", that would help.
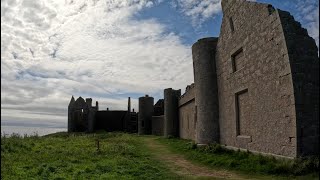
{"x": 171, "y": 113}
{"x": 206, "y": 90}
{"x": 145, "y": 115}
{"x": 81, "y": 115}
{"x": 70, "y": 124}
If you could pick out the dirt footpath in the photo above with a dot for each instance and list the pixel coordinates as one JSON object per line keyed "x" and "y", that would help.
{"x": 178, "y": 164}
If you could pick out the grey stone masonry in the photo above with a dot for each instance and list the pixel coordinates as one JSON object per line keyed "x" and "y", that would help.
{"x": 187, "y": 114}
{"x": 267, "y": 72}
{"x": 206, "y": 91}
{"x": 171, "y": 114}
{"x": 256, "y": 103}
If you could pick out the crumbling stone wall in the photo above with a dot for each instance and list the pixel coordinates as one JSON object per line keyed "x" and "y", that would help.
{"x": 70, "y": 115}
{"x": 302, "y": 54}
{"x": 78, "y": 114}
{"x": 187, "y": 114}
{"x": 158, "y": 108}
{"x": 83, "y": 117}
{"x": 255, "y": 81}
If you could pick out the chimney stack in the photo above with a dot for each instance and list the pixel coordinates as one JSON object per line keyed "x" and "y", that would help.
{"x": 129, "y": 104}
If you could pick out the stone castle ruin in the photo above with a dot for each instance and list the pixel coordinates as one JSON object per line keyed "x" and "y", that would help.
{"x": 83, "y": 117}
{"x": 256, "y": 87}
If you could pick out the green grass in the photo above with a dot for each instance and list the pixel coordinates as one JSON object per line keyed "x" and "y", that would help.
{"x": 75, "y": 156}
{"x": 245, "y": 162}
{"x": 126, "y": 156}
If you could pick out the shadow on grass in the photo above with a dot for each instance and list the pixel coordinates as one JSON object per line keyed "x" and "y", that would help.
{"x": 215, "y": 155}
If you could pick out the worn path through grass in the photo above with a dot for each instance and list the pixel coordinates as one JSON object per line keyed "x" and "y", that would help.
{"x": 178, "y": 164}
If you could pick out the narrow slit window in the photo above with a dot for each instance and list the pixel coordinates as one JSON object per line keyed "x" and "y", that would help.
{"x": 231, "y": 24}
{"x": 195, "y": 116}
{"x": 188, "y": 121}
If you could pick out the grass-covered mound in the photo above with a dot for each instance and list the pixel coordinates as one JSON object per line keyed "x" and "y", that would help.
{"x": 216, "y": 156}
{"x": 75, "y": 156}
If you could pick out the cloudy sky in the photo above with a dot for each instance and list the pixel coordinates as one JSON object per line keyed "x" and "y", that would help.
{"x": 104, "y": 49}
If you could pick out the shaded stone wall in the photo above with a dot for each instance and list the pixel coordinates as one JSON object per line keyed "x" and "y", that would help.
{"x": 132, "y": 125}
{"x": 110, "y": 120}
{"x": 171, "y": 113}
{"x": 187, "y": 114}
{"x": 91, "y": 119}
{"x": 256, "y": 95}
{"x": 158, "y": 108}
{"x": 81, "y": 115}
{"x": 145, "y": 115}
{"x": 91, "y": 115}
{"x": 70, "y": 113}
{"x": 157, "y": 125}
{"x": 78, "y": 113}
{"x": 304, "y": 63}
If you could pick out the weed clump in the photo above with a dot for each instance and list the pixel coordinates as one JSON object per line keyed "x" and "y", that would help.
{"x": 213, "y": 148}
{"x": 191, "y": 145}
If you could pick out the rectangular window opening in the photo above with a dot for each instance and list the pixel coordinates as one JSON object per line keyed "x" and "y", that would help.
{"x": 241, "y": 119}
{"x": 236, "y": 60}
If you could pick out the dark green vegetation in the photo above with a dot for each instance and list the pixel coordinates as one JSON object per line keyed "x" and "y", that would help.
{"x": 246, "y": 162}
{"x": 75, "y": 156}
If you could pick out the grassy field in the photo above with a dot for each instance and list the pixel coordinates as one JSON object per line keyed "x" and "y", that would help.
{"x": 63, "y": 156}
{"x": 128, "y": 156}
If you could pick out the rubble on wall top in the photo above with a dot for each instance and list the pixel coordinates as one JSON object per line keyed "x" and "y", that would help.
{"x": 188, "y": 88}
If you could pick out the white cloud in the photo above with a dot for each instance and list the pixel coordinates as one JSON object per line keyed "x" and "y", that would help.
{"x": 52, "y": 49}
{"x": 198, "y": 11}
